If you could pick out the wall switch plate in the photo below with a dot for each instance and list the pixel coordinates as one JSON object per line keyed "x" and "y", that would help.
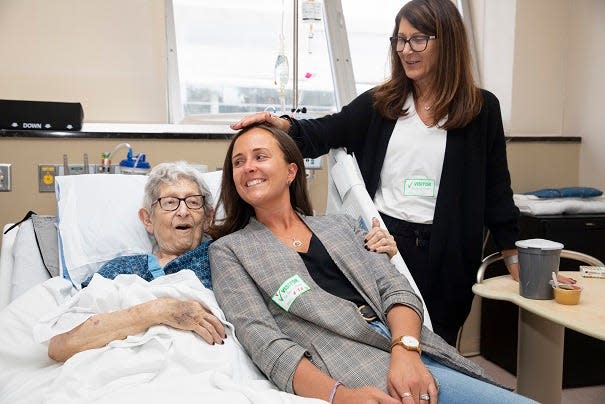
{"x": 5, "y": 177}
{"x": 46, "y": 177}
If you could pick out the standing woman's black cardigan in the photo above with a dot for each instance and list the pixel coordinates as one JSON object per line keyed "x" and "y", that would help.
{"x": 474, "y": 190}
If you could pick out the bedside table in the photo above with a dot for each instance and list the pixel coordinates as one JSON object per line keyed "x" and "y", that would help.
{"x": 582, "y": 361}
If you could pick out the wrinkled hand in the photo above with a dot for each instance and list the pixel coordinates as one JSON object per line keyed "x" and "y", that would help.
{"x": 408, "y": 378}
{"x": 261, "y": 117}
{"x": 363, "y": 395}
{"x": 191, "y": 316}
{"x": 379, "y": 240}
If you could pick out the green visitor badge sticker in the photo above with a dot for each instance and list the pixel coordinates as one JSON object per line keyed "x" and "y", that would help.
{"x": 289, "y": 291}
{"x": 419, "y": 187}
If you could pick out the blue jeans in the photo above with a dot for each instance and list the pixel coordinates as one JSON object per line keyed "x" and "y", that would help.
{"x": 456, "y": 387}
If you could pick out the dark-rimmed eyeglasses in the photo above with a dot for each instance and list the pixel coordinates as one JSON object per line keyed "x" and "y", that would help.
{"x": 172, "y": 203}
{"x": 418, "y": 43}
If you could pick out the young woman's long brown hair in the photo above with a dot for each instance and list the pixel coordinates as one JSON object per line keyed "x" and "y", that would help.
{"x": 457, "y": 96}
{"x": 237, "y": 211}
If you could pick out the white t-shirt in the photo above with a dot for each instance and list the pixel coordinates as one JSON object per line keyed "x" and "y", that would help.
{"x": 410, "y": 176}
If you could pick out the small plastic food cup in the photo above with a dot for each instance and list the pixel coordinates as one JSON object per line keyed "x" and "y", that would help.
{"x": 567, "y": 296}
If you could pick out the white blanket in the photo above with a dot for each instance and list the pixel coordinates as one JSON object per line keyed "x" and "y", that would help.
{"x": 557, "y": 206}
{"x": 160, "y": 365}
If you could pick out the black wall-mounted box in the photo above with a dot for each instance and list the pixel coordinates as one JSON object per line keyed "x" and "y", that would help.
{"x": 40, "y": 115}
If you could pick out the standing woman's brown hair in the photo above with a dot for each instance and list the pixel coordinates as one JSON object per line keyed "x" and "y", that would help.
{"x": 456, "y": 94}
{"x": 237, "y": 211}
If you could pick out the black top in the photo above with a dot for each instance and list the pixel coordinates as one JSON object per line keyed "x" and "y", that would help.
{"x": 326, "y": 274}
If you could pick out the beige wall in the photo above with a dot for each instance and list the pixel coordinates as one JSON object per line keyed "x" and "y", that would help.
{"x": 544, "y": 60}
{"x": 543, "y": 164}
{"x": 539, "y": 67}
{"x": 584, "y": 113}
{"x": 110, "y": 55}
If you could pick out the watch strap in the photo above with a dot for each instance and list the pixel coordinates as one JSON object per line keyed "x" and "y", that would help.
{"x": 289, "y": 119}
{"x": 399, "y": 341}
{"x": 511, "y": 259}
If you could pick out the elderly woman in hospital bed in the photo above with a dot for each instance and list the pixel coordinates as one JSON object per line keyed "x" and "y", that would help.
{"x": 177, "y": 209}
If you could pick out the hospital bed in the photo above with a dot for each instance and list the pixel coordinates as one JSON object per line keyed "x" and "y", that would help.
{"x": 36, "y": 283}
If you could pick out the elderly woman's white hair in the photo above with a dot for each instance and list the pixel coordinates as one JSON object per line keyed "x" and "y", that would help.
{"x": 169, "y": 173}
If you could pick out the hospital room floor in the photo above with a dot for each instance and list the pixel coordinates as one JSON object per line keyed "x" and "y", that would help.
{"x": 588, "y": 395}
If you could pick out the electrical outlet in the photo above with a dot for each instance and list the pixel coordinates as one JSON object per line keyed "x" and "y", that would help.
{"x": 46, "y": 177}
{"x": 313, "y": 164}
{"x": 5, "y": 177}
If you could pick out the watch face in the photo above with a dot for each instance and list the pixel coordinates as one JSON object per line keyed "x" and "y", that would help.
{"x": 410, "y": 341}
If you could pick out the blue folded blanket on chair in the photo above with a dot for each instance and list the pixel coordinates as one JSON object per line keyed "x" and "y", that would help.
{"x": 566, "y": 192}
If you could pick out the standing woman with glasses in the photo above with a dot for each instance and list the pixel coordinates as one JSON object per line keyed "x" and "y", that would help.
{"x": 431, "y": 149}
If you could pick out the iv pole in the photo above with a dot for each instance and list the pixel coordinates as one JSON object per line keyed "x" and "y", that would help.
{"x": 295, "y": 58}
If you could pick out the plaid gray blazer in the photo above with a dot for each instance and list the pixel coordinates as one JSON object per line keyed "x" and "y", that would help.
{"x": 251, "y": 266}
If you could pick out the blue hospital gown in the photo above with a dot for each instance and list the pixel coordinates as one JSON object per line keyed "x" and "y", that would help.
{"x": 195, "y": 260}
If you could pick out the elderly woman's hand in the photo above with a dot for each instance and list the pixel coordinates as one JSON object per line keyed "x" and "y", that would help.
{"x": 192, "y": 316}
{"x": 379, "y": 240}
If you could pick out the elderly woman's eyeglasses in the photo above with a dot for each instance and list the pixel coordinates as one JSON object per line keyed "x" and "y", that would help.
{"x": 418, "y": 43}
{"x": 172, "y": 203}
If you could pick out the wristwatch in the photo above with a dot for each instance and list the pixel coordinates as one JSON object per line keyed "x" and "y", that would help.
{"x": 408, "y": 342}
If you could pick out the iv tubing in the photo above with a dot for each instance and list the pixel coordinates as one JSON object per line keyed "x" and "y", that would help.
{"x": 119, "y": 146}
{"x": 295, "y": 58}
{"x": 136, "y": 162}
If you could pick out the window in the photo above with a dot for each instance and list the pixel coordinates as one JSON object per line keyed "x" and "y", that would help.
{"x": 226, "y": 52}
{"x": 368, "y": 33}
{"x": 227, "y": 55}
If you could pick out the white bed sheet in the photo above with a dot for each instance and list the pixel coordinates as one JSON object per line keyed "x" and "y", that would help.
{"x": 158, "y": 366}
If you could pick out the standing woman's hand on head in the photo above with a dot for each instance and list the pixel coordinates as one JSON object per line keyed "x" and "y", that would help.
{"x": 379, "y": 240}
{"x": 261, "y": 117}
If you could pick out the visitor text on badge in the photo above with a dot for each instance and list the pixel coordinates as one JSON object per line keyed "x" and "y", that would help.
{"x": 419, "y": 187}
{"x": 289, "y": 291}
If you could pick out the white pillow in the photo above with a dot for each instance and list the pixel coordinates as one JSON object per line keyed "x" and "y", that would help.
{"x": 98, "y": 220}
